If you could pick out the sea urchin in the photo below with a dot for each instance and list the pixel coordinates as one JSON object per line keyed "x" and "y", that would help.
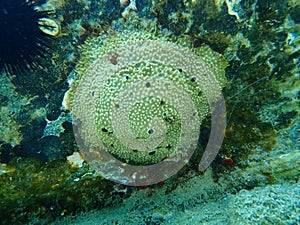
{"x": 22, "y": 43}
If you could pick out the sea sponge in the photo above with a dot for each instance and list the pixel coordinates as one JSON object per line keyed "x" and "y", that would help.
{"x": 142, "y": 102}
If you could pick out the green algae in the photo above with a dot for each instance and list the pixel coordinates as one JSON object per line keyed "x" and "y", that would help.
{"x": 53, "y": 189}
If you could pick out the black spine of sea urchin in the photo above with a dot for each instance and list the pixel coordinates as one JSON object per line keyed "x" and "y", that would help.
{"x": 22, "y": 43}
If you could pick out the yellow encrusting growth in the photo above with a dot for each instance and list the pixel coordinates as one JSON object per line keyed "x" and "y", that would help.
{"x": 141, "y": 97}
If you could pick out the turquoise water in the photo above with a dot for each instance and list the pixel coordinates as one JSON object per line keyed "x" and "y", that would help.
{"x": 53, "y": 168}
